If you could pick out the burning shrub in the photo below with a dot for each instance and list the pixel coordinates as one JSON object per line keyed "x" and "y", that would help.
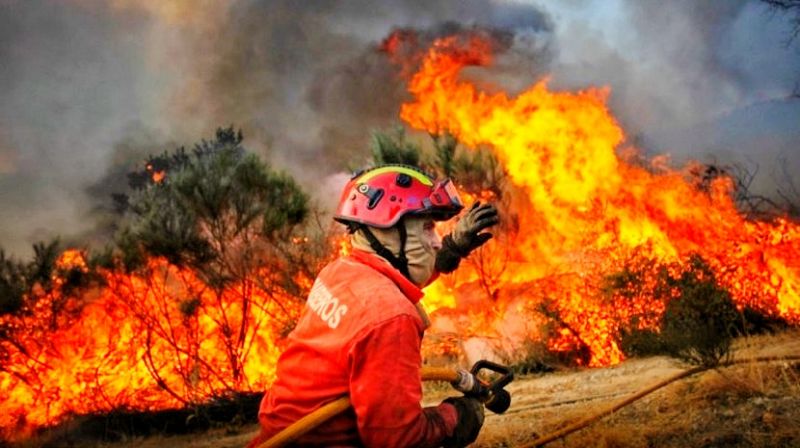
{"x": 699, "y": 318}
{"x": 18, "y": 280}
{"x": 51, "y": 279}
{"x": 636, "y": 341}
{"x": 532, "y": 356}
{"x": 572, "y": 350}
{"x": 700, "y": 322}
{"x": 225, "y": 223}
{"x": 756, "y": 322}
{"x": 211, "y": 265}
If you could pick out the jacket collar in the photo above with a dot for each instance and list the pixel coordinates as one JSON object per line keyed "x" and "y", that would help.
{"x": 409, "y": 289}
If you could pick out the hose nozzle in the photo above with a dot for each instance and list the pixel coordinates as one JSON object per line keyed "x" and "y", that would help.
{"x": 491, "y": 394}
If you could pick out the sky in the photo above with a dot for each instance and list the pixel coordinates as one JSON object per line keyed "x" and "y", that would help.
{"x": 88, "y": 88}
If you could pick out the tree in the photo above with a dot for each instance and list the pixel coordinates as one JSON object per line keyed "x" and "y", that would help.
{"x": 394, "y": 148}
{"x": 230, "y": 231}
{"x": 12, "y": 284}
{"x": 212, "y": 210}
{"x": 23, "y": 284}
{"x": 480, "y": 175}
{"x": 788, "y": 190}
{"x": 785, "y": 202}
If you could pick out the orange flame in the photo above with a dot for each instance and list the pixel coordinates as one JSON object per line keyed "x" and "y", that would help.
{"x": 156, "y": 175}
{"x": 583, "y": 209}
{"x": 151, "y": 342}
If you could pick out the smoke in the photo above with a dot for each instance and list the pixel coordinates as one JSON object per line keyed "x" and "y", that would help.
{"x": 7, "y": 156}
{"x": 92, "y": 86}
{"x": 66, "y": 95}
{"x": 703, "y": 80}
{"x": 307, "y": 84}
{"x": 84, "y": 78}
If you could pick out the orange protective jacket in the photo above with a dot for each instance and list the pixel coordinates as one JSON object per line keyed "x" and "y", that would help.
{"x": 359, "y": 335}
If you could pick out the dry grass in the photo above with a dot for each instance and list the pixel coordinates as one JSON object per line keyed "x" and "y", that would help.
{"x": 750, "y": 381}
{"x": 749, "y": 405}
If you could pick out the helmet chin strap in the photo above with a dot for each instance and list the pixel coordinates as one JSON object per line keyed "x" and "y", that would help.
{"x": 399, "y": 262}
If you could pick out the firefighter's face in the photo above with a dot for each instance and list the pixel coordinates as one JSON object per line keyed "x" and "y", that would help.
{"x": 421, "y": 247}
{"x": 422, "y": 244}
{"x": 430, "y": 237}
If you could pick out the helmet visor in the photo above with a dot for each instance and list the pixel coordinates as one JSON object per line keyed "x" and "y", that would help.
{"x": 444, "y": 201}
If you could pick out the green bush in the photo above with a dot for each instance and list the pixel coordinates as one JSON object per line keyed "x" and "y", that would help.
{"x": 217, "y": 210}
{"x": 700, "y": 318}
{"x": 700, "y": 323}
{"x": 641, "y": 342}
{"x": 392, "y": 147}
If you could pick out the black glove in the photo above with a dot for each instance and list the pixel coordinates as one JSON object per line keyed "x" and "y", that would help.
{"x": 470, "y": 420}
{"x": 466, "y": 237}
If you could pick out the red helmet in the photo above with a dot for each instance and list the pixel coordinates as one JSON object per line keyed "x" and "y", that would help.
{"x": 380, "y": 196}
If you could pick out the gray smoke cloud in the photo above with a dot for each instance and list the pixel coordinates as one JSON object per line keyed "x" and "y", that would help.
{"x": 309, "y": 82}
{"x": 66, "y": 96}
{"x": 702, "y": 80}
{"x": 89, "y": 87}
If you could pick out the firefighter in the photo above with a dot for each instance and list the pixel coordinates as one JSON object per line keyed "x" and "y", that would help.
{"x": 361, "y": 331}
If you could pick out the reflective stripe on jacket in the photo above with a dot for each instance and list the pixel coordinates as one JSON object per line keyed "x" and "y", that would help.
{"x": 359, "y": 335}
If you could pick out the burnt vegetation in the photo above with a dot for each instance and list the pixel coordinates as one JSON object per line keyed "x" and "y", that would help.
{"x": 784, "y": 202}
{"x": 124, "y": 425}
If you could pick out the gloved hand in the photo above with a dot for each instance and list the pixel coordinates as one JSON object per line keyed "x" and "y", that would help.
{"x": 470, "y": 421}
{"x": 466, "y": 237}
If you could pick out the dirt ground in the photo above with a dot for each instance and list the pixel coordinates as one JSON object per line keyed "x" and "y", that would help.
{"x": 749, "y": 405}
{"x": 752, "y": 405}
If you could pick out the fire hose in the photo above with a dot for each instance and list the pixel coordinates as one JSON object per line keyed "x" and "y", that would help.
{"x": 491, "y": 393}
